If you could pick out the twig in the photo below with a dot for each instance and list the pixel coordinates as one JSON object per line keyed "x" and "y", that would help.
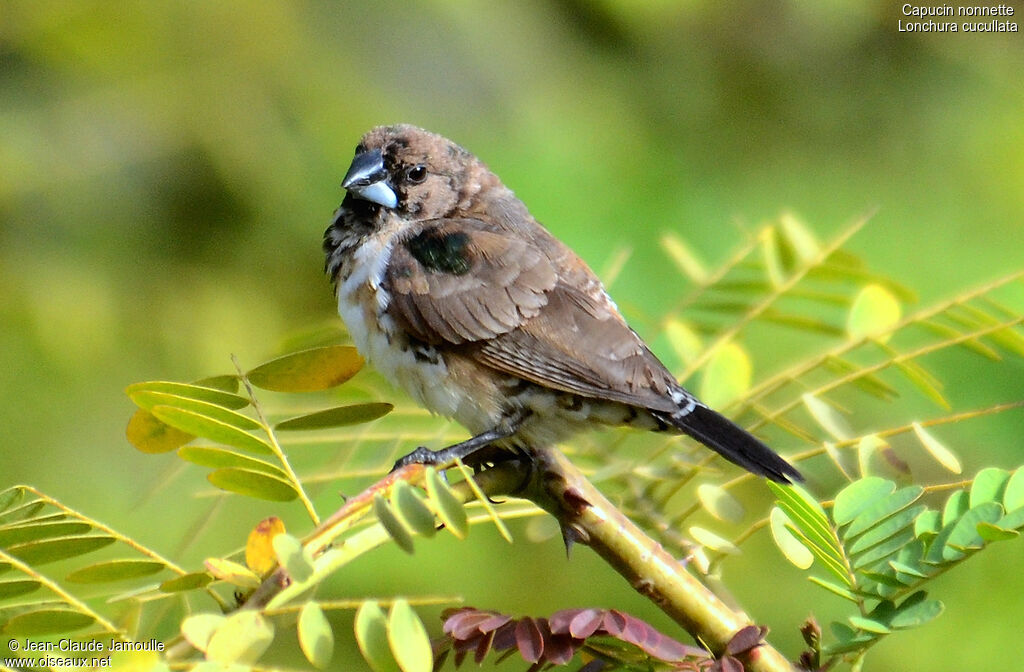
{"x": 587, "y": 517}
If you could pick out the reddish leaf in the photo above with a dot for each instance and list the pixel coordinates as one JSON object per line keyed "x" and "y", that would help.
{"x": 483, "y": 647}
{"x": 466, "y": 622}
{"x": 505, "y": 637}
{"x": 746, "y": 639}
{"x": 727, "y": 664}
{"x": 529, "y": 640}
{"x": 585, "y": 623}
{"x": 614, "y": 622}
{"x": 558, "y": 649}
{"x": 494, "y": 622}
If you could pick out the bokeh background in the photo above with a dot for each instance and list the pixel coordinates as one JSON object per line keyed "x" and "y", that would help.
{"x": 167, "y": 169}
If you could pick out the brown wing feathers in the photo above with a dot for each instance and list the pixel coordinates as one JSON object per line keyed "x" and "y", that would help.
{"x": 466, "y": 284}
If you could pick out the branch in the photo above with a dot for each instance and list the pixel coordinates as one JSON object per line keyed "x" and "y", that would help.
{"x": 588, "y": 518}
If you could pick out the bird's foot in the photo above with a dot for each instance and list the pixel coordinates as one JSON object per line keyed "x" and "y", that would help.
{"x": 425, "y": 456}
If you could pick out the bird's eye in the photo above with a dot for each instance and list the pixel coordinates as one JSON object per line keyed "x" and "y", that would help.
{"x": 417, "y": 173}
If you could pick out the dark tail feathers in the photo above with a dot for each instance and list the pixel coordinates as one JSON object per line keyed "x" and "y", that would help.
{"x": 733, "y": 443}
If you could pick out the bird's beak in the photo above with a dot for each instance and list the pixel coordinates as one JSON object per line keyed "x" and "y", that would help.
{"x": 367, "y": 179}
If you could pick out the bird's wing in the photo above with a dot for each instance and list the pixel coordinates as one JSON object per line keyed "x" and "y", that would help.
{"x": 502, "y": 300}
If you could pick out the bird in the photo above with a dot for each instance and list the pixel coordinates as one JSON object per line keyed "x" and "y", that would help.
{"x": 456, "y": 294}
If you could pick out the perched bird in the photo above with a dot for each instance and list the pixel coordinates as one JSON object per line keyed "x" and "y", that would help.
{"x": 454, "y": 292}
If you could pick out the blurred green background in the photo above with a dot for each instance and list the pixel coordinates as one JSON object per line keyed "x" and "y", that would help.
{"x": 168, "y": 169}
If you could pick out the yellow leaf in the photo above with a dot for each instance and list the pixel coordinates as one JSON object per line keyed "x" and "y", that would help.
{"x": 259, "y": 549}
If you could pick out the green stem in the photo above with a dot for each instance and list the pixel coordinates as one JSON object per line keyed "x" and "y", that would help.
{"x": 589, "y": 518}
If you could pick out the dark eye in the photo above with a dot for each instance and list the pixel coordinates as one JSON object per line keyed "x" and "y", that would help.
{"x": 416, "y": 174}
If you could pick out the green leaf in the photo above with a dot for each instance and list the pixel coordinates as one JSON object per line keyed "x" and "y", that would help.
{"x": 232, "y": 572}
{"x": 887, "y": 528}
{"x": 308, "y": 370}
{"x": 31, "y": 530}
{"x": 841, "y": 591}
{"x": 149, "y": 435}
{"x": 869, "y": 383}
{"x": 719, "y": 502}
{"x": 857, "y": 496}
{"x": 827, "y": 417}
{"x": 924, "y": 381}
{"x": 190, "y": 581}
{"x": 956, "y": 505}
{"x": 992, "y": 532}
{"x": 293, "y": 557}
{"x": 449, "y": 509}
{"x": 412, "y": 510}
{"x": 115, "y": 570}
{"x": 902, "y": 568}
{"x": 19, "y": 513}
{"x": 219, "y": 458}
{"x": 918, "y": 613}
{"x": 1013, "y": 520}
{"x": 243, "y": 637}
{"x": 10, "y": 497}
{"x": 869, "y": 625}
{"x": 790, "y": 546}
{"x": 882, "y": 508}
{"x": 398, "y": 531}
{"x": 707, "y": 538}
{"x": 336, "y": 417}
{"x": 371, "y": 628}
{"x": 410, "y": 644}
{"x": 224, "y": 383}
{"x": 866, "y": 449}
{"x": 928, "y": 524}
{"x": 1013, "y": 495}
{"x": 688, "y": 263}
{"x": 874, "y": 313}
{"x": 484, "y": 502}
{"x": 837, "y": 459}
{"x": 988, "y": 486}
{"x": 805, "y": 512}
{"x": 199, "y": 628}
{"x": 149, "y": 400}
{"x": 727, "y": 376}
{"x": 883, "y": 550}
{"x": 315, "y": 635}
{"x": 848, "y": 640}
{"x": 799, "y": 237}
{"x": 207, "y": 394}
{"x": 46, "y": 622}
{"x": 211, "y": 428}
{"x": 253, "y": 483}
{"x": 937, "y": 450}
{"x": 965, "y": 536}
{"x": 50, "y": 550}
{"x": 775, "y": 261}
{"x": 16, "y": 587}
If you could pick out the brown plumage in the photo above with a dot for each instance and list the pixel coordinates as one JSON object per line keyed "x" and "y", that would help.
{"x": 457, "y": 294}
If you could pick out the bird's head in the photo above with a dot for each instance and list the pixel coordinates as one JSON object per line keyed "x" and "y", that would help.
{"x": 414, "y": 173}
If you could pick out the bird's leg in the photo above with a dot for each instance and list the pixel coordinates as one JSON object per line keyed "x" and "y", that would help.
{"x": 446, "y": 456}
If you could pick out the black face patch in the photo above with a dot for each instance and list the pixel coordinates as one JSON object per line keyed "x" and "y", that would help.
{"x": 441, "y": 252}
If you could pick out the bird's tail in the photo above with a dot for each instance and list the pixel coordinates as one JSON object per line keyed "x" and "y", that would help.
{"x": 732, "y": 442}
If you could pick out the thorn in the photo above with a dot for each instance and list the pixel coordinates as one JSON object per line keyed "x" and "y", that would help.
{"x": 571, "y": 535}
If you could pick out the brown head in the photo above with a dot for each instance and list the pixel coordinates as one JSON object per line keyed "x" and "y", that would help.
{"x": 417, "y": 174}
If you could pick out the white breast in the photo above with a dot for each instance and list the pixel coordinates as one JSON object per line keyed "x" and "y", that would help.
{"x": 362, "y": 304}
